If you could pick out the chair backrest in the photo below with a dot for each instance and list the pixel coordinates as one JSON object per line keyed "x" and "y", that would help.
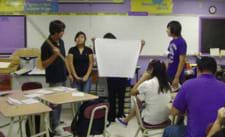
{"x": 97, "y": 112}
{"x": 138, "y": 113}
{"x": 1, "y": 134}
{"x": 143, "y": 125}
{"x": 31, "y": 85}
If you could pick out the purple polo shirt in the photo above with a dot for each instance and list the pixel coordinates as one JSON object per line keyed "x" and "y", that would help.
{"x": 200, "y": 98}
{"x": 176, "y": 48}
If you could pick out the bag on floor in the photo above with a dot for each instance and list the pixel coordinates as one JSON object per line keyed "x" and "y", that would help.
{"x": 80, "y": 123}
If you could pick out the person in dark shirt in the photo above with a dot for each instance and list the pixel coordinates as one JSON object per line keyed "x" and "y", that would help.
{"x": 81, "y": 63}
{"x": 55, "y": 67}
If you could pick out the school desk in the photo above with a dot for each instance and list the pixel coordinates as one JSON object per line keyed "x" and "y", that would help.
{"x": 67, "y": 97}
{"x": 64, "y": 97}
{"x": 13, "y": 111}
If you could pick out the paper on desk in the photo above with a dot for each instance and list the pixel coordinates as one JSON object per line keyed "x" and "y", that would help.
{"x": 37, "y": 71}
{"x": 4, "y": 64}
{"x": 78, "y": 94}
{"x": 14, "y": 101}
{"x": 222, "y": 52}
{"x": 33, "y": 95}
{"x": 64, "y": 89}
{"x": 44, "y": 91}
{"x": 30, "y": 101}
{"x": 214, "y": 51}
{"x": 117, "y": 58}
{"x": 39, "y": 93}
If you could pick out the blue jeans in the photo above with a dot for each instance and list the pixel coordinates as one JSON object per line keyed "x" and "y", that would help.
{"x": 82, "y": 86}
{"x": 56, "y": 110}
{"x": 174, "y": 131}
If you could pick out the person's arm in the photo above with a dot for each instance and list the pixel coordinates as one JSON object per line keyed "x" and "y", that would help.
{"x": 93, "y": 42}
{"x": 180, "y": 103}
{"x": 90, "y": 66}
{"x": 218, "y": 123}
{"x": 51, "y": 59}
{"x": 142, "y": 45}
{"x": 71, "y": 66}
{"x": 179, "y": 71}
{"x": 174, "y": 111}
{"x": 68, "y": 69}
{"x": 144, "y": 77}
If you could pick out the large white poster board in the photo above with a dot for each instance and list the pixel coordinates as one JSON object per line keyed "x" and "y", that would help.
{"x": 117, "y": 58}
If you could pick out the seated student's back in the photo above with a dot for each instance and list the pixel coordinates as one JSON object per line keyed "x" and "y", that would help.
{"x": 200, "y": 98}
{"x": 156, "y": 110}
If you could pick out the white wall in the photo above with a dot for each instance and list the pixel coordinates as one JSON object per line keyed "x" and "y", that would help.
{"x": 150, "y": 28}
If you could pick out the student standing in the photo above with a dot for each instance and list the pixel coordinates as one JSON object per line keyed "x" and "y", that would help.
{"x": 154, "y": 91}
{"x": 116, "y": 89}
{"x": 81, "y": 63}
{"x": 55, "y": 67}
{"x": 176, "y": 54}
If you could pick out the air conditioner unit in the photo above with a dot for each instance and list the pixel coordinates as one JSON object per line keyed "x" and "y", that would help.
{"x": 90, "y": 1}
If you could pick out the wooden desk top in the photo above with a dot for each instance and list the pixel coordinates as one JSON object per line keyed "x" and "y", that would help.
{"x": 8, "y": 110}
{"x": 66, "y": 97}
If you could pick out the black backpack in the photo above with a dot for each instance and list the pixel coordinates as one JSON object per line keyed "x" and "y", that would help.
{"x": 80, "y": 123}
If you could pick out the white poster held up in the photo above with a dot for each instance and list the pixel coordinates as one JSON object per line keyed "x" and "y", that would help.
{"x": 117, "y": 58}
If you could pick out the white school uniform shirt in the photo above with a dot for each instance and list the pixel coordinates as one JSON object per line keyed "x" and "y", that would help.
{"x": 155, "y": 110}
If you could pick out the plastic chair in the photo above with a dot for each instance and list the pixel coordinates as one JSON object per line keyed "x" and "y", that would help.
{"x": 1, "y": 134}
{"x": 143, "y": 127}
{"x": 25, "y": 87}
{"x": 31, "y": 85}
{"x": 97, "y": 112}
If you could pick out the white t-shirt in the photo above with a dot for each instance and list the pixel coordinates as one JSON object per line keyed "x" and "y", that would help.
{"x": 155, "y": 110}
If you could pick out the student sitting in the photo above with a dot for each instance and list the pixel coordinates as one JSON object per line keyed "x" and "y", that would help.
{"x": 200, "y": 98}
{"x": 152, "y": 89}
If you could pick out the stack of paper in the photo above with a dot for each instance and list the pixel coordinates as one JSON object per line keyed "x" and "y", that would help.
{"x": 63, "y": 89}
{"x": 30, "y": 101}
{"x": 78, "y": 94}
{"x": 37, "y": 71}
{"x": 39, "y": 93}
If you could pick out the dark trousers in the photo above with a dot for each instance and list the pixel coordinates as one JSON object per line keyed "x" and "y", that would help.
{"x": 116, "y": 89}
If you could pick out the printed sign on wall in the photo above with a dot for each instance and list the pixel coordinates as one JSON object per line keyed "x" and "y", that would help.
{"x": 152, "y": 6}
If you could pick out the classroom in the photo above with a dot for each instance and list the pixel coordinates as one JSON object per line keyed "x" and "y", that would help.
{"x": 112, "y": 68}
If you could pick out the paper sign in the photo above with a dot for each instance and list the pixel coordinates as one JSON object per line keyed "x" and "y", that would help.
{"x": 117, "y": 58}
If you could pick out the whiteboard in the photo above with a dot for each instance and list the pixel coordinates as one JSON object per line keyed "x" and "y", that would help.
{"x": 152, "y": 29}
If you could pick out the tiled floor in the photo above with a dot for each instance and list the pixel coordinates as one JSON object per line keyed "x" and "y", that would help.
{"x": 115, "y": 129}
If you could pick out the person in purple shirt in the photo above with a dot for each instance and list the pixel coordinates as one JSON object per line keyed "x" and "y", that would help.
{"x": 199, "y": 98}
{"x": 176, "y": 54}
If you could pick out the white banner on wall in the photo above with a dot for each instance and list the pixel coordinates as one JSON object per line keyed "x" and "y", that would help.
{"x": 117, "y": 58}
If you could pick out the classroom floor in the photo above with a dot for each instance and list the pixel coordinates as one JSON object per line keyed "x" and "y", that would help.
{"x": 115, "y": 129}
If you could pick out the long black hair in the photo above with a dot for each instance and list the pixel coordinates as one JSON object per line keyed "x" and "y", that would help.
{"x": 158, "y": 69}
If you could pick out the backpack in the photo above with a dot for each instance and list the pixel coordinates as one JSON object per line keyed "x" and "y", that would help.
{"x": 80, "y": 123}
